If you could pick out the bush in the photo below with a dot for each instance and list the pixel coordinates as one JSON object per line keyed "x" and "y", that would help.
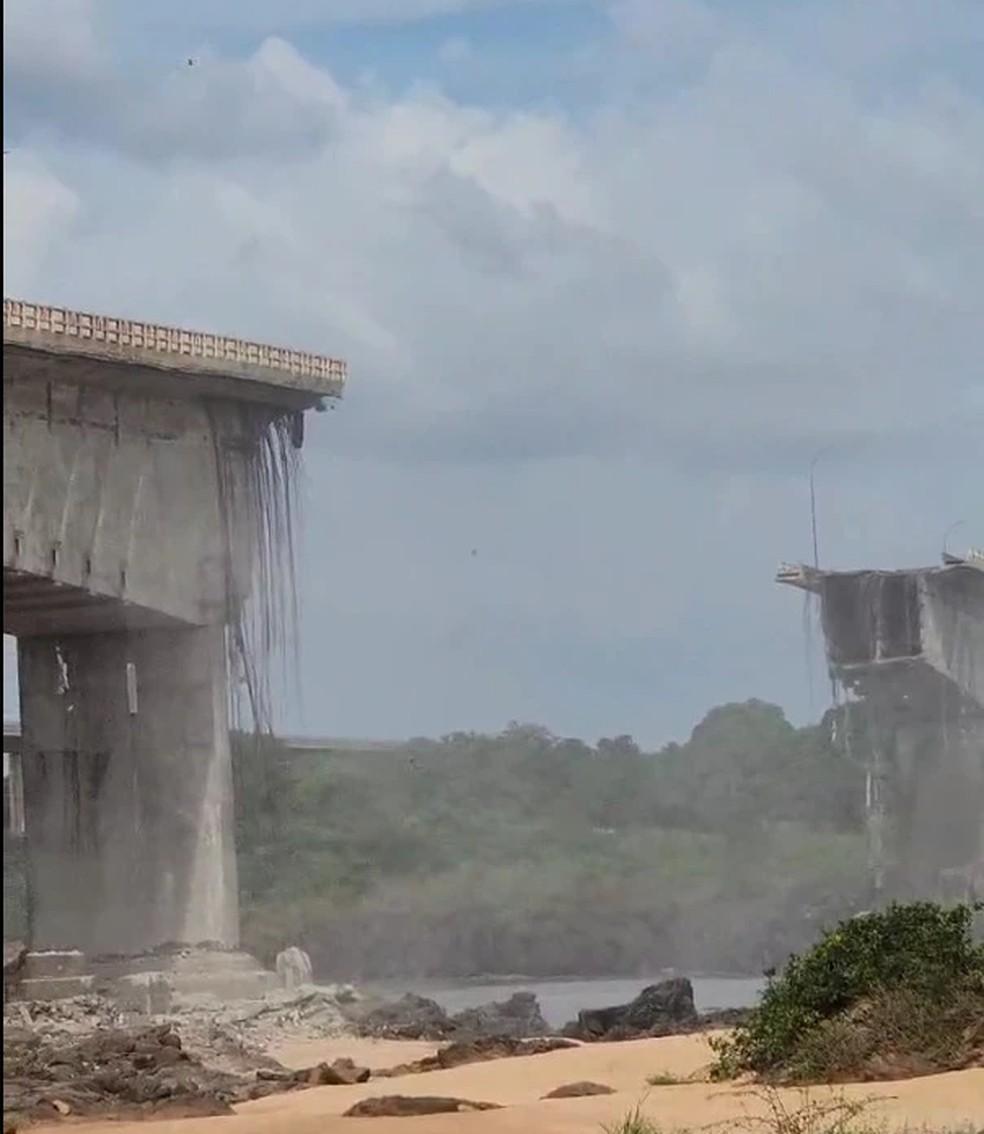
{"x": 921, "y": 948}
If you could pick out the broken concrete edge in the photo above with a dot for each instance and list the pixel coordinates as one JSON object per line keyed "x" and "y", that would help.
{"x": 810, "y": 578}
{"x": 134, "y": 343}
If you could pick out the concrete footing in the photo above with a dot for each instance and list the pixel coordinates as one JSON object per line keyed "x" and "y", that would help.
{"x": 226, "y": 974}
{"x": 54, "y": 975}
{"x": 146, "y": 984}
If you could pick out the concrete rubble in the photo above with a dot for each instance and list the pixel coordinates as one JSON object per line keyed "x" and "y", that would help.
{"x": 96, "y": 1055}
{"x": 224, "y": 1035}
{"x": 90, "y": 1056}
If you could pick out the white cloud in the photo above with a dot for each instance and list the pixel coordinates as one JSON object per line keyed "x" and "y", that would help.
{"x": 38, "y": 212}
{"x": 599, "y": 347}
{"x": 53, "y": 36}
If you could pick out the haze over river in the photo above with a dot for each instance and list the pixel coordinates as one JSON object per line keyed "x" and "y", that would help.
{"x": 562, "y": 999}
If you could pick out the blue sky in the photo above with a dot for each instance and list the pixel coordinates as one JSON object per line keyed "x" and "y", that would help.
{"x": 509, "y": 55}
{"x": 607, "y": 274}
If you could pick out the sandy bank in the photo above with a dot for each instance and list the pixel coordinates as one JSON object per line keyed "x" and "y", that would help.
{"x": 519, "y": 1084}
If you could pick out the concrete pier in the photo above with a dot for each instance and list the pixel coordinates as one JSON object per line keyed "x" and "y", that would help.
{"x": 906, "y": 648}
{"x": 132, "y": 529}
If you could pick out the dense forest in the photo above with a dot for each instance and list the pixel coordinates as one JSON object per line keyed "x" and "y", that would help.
{"x": 535, "y": 854}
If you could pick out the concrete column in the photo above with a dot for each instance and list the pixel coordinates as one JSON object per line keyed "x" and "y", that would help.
{"x": 128, "y": 790}
{"x": 940, "y": 800}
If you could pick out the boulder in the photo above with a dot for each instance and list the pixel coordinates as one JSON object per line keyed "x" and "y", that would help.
{"x": 659, "y": 1009}
{"x": 411, "y": 1017}
{"x": 519, "y": 1017}
{"x": 461, "y": 1052}
{"x": 408, "y": 1106}
{"x": 416, "y": 1017}
{"x": 579, "y": 1090}
{"x": 341, "y": 1073}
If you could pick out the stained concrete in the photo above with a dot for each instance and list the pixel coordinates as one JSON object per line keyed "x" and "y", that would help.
{"x": 907, "y": 647}
{"x": 134, "y": 522}
{"x": 111, "y": 509}
{"x": 128, "y": 801}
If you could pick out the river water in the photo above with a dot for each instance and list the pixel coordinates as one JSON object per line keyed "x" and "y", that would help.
{"x": 561, "y": 1000}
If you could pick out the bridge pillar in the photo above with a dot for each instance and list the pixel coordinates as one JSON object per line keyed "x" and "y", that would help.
{"x": 127, "y": 790}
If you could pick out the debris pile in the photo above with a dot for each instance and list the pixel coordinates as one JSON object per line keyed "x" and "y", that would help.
{"x": 121, "y": 1072}
{"x": 237, "y": 1035}
{"x": 53, "y": 1071}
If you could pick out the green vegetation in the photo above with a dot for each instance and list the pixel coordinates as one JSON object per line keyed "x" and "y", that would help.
{"x": 664, "y": 1079}
{"x": 805, "y": 1115}
{"x": 635, "y": 1122}
{"x": 526, "y": 852}
{"x": 785, "y": 1113}
{"x": 897, "y": 990}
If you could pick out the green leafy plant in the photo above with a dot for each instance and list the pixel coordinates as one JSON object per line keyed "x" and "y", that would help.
{"x": 922, "y": 948}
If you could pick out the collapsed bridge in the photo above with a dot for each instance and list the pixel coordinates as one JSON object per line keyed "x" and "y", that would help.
{"x": 905, "y": 650}
{"x": 148, "y": 493}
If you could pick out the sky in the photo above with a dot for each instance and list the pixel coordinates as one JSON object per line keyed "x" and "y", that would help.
{"x": 608, "y": 274}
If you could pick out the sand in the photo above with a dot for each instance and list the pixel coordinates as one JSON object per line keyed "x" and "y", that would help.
{"x": 935, "y": 1102}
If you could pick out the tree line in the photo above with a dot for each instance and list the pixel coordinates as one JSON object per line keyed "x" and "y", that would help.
{"x": 525, "y": 852}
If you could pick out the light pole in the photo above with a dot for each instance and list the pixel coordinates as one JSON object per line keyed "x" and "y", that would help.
{"x": 946, "y": 534}
{"x": 813, "y": 503}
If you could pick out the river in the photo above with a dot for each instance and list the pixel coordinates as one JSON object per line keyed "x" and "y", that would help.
{"x": 562, "y": 999}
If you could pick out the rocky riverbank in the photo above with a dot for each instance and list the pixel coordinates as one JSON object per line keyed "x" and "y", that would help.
{"x": 87, "y": 1057}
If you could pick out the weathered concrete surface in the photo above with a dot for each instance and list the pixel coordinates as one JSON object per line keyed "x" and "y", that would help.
{"x": 952, "y": 609}
{"x": 128, "y": 800}
{"x": 932, "y": 615}
{"x": 52, "y": 343}
{"x": 133, "y": 519}
{"x": 107, "y": 497}
{"x": 908, "y": 646}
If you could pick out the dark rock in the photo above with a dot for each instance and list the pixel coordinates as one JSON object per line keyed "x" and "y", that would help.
{"x": 411, "y": 1017}
{"x": 659, "y": 1009}
{"x": 114, "y": 1073}
{"x": 483, "y": 1050}
{"x": 341, "y": 1073}
{"x": 406, "y": 1106}
{"x": 276, "y": 1074}
{"x": 519, "y": 1017}
{"x": 579, "y": 1090}
{"x": 416, "y": 1017}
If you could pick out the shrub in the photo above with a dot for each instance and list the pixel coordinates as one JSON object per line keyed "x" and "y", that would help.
{"x": 663, "y": 1079}
{"x": 635, "y": 1122}
{"x": 921, "y": 947}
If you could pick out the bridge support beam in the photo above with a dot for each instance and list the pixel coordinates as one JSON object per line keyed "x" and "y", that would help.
{"x": 128, "y": 790}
